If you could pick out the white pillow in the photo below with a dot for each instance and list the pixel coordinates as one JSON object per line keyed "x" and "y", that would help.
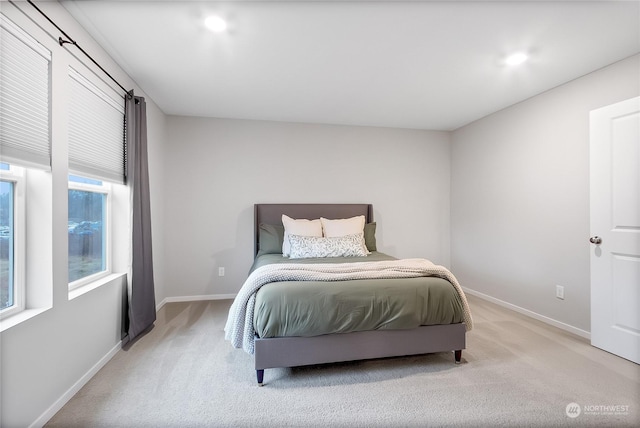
{"x": 301, "y": 227}
{"x": 343, "y": 226}
{"x": 303, "y": 247}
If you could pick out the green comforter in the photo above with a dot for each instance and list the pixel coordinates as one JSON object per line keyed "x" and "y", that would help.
{"x": 313, "y": 308}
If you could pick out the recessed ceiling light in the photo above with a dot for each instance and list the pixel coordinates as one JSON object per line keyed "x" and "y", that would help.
{"x": 516, "y": 58}
{"x": 215, "y": 24}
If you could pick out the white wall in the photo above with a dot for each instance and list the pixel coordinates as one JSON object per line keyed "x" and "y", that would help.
{"x": 46, "y": 358}
{"x": 217, "y": 169}
{"x": 520, "y": 196}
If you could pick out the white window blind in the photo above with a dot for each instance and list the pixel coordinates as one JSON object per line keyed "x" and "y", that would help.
{"x": 96, "y": 131}
{"x": 24, "y": 98}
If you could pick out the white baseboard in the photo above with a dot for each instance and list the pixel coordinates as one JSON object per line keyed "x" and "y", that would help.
{"x": 523, "y": 311}
{"x": 64, "y": 399}
{"x": 531, "y": 314}
{"x": 194, "y": 299}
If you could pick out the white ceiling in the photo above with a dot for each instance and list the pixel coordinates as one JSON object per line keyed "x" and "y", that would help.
{"x": 424, "y": 65}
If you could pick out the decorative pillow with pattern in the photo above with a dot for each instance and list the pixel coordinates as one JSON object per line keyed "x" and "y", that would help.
{"x": 343, "y": 227}
{"x": 304, "y": 247}
{"x": 301, "y": 227}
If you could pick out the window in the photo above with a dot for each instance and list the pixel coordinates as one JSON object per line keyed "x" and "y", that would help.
{"x": 7, "y": 284}
{"x": 88, "y": 230}
{"x": 96, "y": 150}
{"x": 11, "y": 237}
{"x": 96, "y": 130}
{"x": 25, "y": 106}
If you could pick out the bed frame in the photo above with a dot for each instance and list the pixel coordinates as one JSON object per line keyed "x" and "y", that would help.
{"x": 331, "y": 348}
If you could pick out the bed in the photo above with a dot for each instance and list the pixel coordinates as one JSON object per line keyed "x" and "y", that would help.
{"x": 284, "y": 320}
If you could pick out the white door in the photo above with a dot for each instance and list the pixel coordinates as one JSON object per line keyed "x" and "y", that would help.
{"x": 615, "y": 228}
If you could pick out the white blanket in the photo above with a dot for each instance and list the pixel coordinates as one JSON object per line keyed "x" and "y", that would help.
{"x": 239, "y": 328}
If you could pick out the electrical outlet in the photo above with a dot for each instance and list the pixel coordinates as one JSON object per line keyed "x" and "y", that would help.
{"x": 560, "y": 292}
{"x": 220, "y": 271}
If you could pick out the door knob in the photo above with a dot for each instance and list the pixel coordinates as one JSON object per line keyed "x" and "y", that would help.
{"x": 595, "y": 240}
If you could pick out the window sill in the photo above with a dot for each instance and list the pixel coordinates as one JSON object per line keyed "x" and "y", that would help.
{"x": 20, "y": 317}
{"x": 77, "y": 292}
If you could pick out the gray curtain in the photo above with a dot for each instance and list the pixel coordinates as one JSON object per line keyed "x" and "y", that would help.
{"x": 141, "y": 294}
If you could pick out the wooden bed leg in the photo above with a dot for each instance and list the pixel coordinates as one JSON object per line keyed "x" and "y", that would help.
{"x": 458, "y": 355}
{"x": 260, "y": 374}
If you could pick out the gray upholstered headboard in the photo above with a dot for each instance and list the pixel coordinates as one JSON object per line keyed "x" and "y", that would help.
{"x": 272, "y": 214}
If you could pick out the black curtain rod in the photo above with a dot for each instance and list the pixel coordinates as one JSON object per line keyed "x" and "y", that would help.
{"x": 69, "y": 40}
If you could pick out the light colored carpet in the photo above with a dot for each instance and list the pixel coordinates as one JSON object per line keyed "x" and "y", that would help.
{"x": 515, "y": 372}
